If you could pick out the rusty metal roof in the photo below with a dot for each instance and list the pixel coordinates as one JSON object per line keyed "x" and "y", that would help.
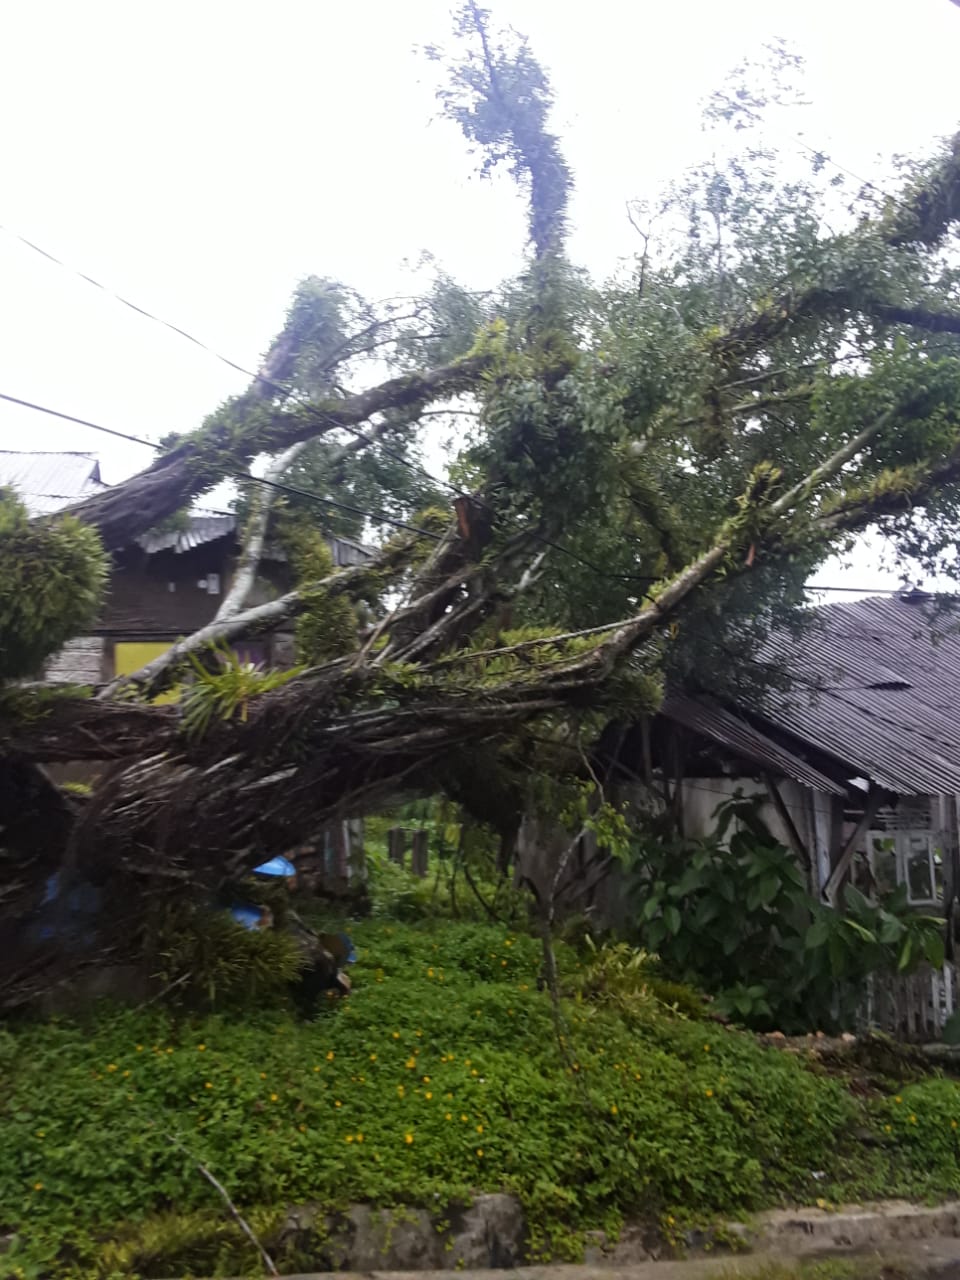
{"x": 48, "y": 482}
{"x": 876, "y": 686}
{"x": 202, "y": 526}
{"x": 732, "y": 731}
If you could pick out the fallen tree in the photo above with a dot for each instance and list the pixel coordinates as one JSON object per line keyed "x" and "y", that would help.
{"x": 659, "y": 465}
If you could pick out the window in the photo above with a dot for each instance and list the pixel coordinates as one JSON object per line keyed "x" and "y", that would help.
{"x": 909, "y": 857}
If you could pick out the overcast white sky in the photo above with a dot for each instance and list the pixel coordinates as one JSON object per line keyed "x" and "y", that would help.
{"x": 200, "y": 157}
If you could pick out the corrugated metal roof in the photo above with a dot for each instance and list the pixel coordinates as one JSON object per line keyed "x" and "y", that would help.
{"x": 877, "y": 686}
{"x": 48, "y": 482}
{"x": 730, "y": 730}
{"x": 202, "y": 527}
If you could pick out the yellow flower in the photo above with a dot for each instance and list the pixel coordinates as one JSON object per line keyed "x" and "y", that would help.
{"x": 263, "y": 1075}
{"x": 464, "y": 1118}
{"x": 613, "y": 1109}
{"x": 503, "y": 962}
{"x": 208, "y": 1085}
{"x": 111, "y": 1066}
{"x": 41, "y": 1134}
{"x": 953, "y": 1124}
{"x": 302, "y": 1128}
{"x": 429, "y": 973}
{"x": 474, "y": 1071}
{"x": 330, "y": 1056}
{"x": 480, "y": 1152}
{"x": 426, "y": 1079}
{"x": 479, "y": 1128}
{"x": 317, "y": 1068}
{"x": 898, "y": 1098}
{"x": 348, "y": 1138}
{"x": 449, "y": 1116}
{"x": 419, "y": 1033}
{"x": 338, "y": 1104}
{"x": 200, "y": 1048}
{"x": 396, "y": 1035}
{"x": 706, "y": 1048}
{"x": 170, "y": 1050}
{"x": 428, "y": 1095}
{"x": 400, "y": 1091}
{"x": 508, "y": 942}
{"x": 670, "y": 1219}
{"x": 708, "y": 1093}
{"x": 821, "y": 1204}
{"x": 410, "y": 1063}
{"x": 888, "y": 1128}
{"x": 38, "y": 1186}
{"x": 373, "y": 1057}
{"x": 359, "y": 1137}
{"x": 139, "y": 1048}
{"x": 273, "y": 1097}
{"x": 913, "y": 1119}
{"x": 408, "y": 1138}
{"x": 126, "y": 1073}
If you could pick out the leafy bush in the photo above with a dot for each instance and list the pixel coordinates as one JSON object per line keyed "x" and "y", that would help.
{"x": 439, "y": 1077}
{"x": 204, "y": 956}
{"x": 617, "y": 974}
{"x": 731, "y": 913}
{"x": 52, "y": 576}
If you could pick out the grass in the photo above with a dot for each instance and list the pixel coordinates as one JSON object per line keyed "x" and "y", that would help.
{"x": 441, "y": 1076}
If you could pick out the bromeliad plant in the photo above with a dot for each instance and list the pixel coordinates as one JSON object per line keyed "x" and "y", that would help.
{"x": 731, "y": 913}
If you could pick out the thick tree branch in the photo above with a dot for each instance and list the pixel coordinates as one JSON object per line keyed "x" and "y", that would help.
{"x": 218, "y": 450}
{"x": 255, "y": 534}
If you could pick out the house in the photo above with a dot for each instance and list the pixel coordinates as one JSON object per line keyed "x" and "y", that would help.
{"x": 859, "y": 759}
{"x": 165, "y": 584}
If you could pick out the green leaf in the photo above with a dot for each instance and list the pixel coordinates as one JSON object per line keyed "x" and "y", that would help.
{"x": 672, "y": 919}
{"x": 817, "y": 934}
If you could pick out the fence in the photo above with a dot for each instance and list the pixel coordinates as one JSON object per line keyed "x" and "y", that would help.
{"x": 397, "y": 838}
{"x": 912, "y": 1006}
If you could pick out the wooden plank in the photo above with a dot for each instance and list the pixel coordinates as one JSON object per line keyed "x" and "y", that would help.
{"x": 832, "y": 887}
{"x": 420, "y": 856}
{"x": 396, "y": 845}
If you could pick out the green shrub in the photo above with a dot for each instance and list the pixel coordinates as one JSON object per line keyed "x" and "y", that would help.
{"x": 731, "y": 913}
{"x": 439, "y": 1077}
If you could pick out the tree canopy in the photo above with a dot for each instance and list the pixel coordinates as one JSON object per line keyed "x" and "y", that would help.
{"x": 647, "y": 471}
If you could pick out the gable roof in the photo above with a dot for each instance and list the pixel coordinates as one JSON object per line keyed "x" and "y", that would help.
{"x": 48, "y": 482}
{"x": 876, "y": 687}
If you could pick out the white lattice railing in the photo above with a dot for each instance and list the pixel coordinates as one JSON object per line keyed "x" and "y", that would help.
{"x": 913, "y": 1006}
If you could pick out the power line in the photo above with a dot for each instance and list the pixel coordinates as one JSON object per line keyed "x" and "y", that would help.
{"x": 380, "y": 517}
{"x": 167, "y": 324}
{"x": 83, "y": 422}
{"x": 288, "y": 393}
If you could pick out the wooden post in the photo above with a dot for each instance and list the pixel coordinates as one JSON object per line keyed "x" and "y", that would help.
{"x": 800, "y": 851}
{"x": 831, "y": 889}
{"x": 396, "y": 845}
{"x": 339, "y": 840}
{"x": 420, "y": 854}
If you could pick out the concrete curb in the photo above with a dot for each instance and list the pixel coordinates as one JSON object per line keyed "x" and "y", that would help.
{"x": 920, "y": 1241}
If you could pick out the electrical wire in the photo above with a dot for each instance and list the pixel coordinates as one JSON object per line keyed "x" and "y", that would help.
{"x": 379, "y": 517}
